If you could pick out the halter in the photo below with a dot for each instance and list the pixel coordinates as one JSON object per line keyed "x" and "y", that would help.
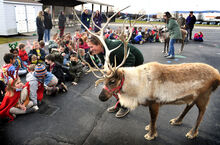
{"x": 115, "y": 91}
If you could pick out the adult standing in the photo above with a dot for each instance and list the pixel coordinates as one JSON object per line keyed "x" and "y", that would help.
{"x": 181, "y": 21}
{"x": 174, "y": 32}
{"x": 40, "y": 25}
{"x": 98, "y": 21}
{"x": 61, "y": 23}
{"x": 85, "y": 18}
{"x": 190, "y": 21}
{"x": 134, "y": 58}
{"x": 48, "y": 24}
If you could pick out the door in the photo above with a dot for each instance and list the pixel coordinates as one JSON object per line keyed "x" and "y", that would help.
{"x": 31, "y": 18}
{"x": 21, "y": 20}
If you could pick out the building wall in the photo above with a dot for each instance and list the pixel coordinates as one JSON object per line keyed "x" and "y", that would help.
{"x": 8, "y": 24}
{"x": 2, "y": 16}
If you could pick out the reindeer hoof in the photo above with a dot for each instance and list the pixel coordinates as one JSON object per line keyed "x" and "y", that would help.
{"x": 147, "y": 128}
{"x": 192, "y": 134}
{"x": 175, "y": 122}
{"x": 148, "y": 136}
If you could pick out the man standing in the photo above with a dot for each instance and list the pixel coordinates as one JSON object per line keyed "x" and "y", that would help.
{"x": 181, "y": 21}
{"x": 61, "y": 23}
{"x": 134, "y": 58}
{"x": 190, "y": 21}
{"x": 48, "y": 24}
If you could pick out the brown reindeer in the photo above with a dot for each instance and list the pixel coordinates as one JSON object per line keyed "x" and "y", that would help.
{"x": 154, "y": 84}
{"x": 164, "y": 37}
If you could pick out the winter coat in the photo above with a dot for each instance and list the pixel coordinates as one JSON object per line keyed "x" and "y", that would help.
{"x": 62, "y": 20}
{"x": 174, "y": 29}
{"x": 19, "y": 63}
{"x": 85, "y": 18}
{"x": 190, "y": 21}
{"x": 98, "y": 22}
{"x": 23, "y": 55}
{"x": 40, "y": 26}
{"x": 47, "y": 21}
{"x": 181, "y": 21}
{"x": 33, "y": 86}
{"x": 33, "y": 51}
{"x": 57, "y": 70}
{"x": 134, "y": 58}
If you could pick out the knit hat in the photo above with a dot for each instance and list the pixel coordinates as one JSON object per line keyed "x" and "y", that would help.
{"x": 40, "y": 71}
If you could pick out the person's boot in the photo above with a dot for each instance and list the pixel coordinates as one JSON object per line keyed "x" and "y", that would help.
{"x": 122, "y": 112}
{"x": 113, "y": 109}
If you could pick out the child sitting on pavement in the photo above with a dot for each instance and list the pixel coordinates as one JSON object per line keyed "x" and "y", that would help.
{"x": 36, "y": 87}
{"x": 22, "y": 69}
{"x": 4, "y": 77}
{"x": 36, "y": 50}
{"x": 22, "y": 53}
{"x": 56, "y": 69}
{"x": 76, "y": 68}
{"x": 13, "y": 103}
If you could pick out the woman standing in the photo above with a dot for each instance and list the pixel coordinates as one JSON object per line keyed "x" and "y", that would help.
{"x": 40, "y": 25}
{"x": 174, "y": 32}
{"x": 98, "y": 21}
{"x": 61, "y": 23}
{"x": 48, "y": 24}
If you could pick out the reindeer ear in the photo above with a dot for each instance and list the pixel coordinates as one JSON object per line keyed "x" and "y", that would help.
{"x": 119, "y": 73}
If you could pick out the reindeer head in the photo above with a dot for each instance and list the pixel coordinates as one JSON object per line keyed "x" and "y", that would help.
{"x": 112, "y": 77}
{"x": 112, "y": 85}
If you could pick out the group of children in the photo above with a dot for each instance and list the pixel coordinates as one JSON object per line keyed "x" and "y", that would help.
{"x": 46, "y": 72}
{"x": 139, "y": 36}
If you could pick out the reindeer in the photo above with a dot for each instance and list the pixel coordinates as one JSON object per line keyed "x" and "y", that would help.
{"x": 154, "y": 84}
{"x": 164, "y": 37}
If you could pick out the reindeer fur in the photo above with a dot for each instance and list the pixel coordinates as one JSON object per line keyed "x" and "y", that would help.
{"x": 155, "y": 84}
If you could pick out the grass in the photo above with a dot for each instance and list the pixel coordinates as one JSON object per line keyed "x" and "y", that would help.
{"x": 9, "y": 39}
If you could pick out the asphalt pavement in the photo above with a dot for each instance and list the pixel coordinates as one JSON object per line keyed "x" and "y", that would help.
{"x": 79, "y": 118}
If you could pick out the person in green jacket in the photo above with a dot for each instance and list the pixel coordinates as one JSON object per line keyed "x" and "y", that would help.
{"x": 174, "y": 32}
{"x": 134, "y": 58}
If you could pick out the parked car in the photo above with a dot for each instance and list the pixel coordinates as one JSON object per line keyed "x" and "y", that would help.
{"x": 198, "y": 22}
{"x": 212, "y": 23}
{"x": 205, "y": 23}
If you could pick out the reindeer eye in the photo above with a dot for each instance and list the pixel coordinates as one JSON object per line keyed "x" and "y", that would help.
{"x": 111, "y": 82}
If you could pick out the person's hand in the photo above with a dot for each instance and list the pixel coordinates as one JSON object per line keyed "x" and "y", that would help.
{"x": 38, "y": 57}
{"x": 23, "y": 107}
{"x": 63, "y": 54}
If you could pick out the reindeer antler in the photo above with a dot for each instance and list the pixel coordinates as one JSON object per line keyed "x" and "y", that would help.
{"x": 100, "y": 36}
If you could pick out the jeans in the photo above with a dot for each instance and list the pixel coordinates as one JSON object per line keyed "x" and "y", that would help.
{"x": 46, "y": 35}
{"x": 171, "y": 48}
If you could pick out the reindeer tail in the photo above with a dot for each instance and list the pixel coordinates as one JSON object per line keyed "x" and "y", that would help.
{"x": 216, "y": 83}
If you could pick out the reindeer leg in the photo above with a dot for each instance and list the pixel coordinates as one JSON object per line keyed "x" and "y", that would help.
{"x": 201, "y": 104}
{"x": 154, "y": 109}
{"x": 178, "y": 120}
{"x": 164, "y": 49}
{"x": 181, "y": 50}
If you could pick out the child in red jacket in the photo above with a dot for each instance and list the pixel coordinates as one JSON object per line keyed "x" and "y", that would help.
{"x": 22, "y": 53}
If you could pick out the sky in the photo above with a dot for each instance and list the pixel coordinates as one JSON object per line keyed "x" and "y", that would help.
{"x": 155, "y": 6}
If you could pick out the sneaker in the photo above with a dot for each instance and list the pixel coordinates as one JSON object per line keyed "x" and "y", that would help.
{"x": 113, "y": 109}
{"x": 170, "y": 57}
{"x": 166, "y": 55}
{"x": 74, "y": 83}
{"x": 65, "y": 89}
{"x": 35, "y": 108}
{"x": 122, "y": 112}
